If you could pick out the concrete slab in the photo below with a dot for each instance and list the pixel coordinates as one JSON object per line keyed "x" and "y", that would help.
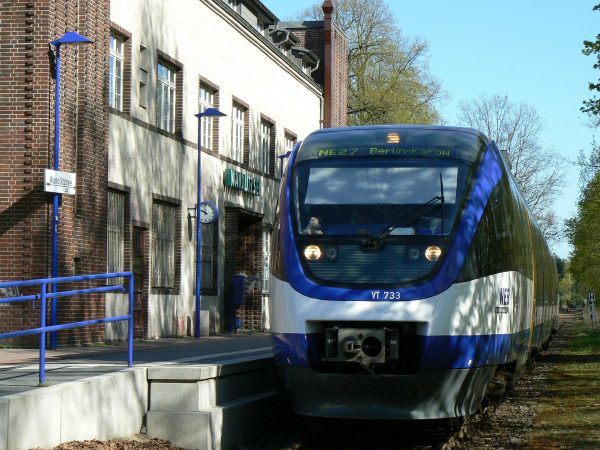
{"x": 128, "y": 395}
{"x": 176, "y": 396}
{"x": 198, "y": 372}
{"x": 3, "y": 424}
{"x": 34, "y": 419}
{"x": 105, "y": 406}
{"x": 186, "y": 429}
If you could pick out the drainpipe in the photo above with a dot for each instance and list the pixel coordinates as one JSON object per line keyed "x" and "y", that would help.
{"x": 328, "y": 63}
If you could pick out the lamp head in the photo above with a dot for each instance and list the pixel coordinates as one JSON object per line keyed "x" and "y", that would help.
{"x": 210, "y": 112}
{"x": 71, "y": 38}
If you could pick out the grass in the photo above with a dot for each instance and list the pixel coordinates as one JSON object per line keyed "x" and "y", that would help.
{"x": 568, "y": 414}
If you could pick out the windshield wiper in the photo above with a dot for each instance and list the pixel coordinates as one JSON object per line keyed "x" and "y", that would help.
{"x": 370, "y": 242}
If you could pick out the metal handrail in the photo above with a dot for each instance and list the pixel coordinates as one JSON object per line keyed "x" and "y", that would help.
{"x": 44, "y": 295}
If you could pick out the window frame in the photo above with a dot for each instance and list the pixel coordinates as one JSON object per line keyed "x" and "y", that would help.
{"x": 116, "y": 229}
{"x": 206, "y": 99}
{"x": 166, "y": 86}
{"x": 209, "y": 258}
{"x": 169, "y": 261}
{"x": 289, "y": 141}
{"x": 264, "y": 147}
{"x": 238, "y": 131}
{"x": 116, "y": 58}
{"x": 267, "y": 238}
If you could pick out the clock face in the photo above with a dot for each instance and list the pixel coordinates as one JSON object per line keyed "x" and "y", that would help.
{"x": 208, "y": 212}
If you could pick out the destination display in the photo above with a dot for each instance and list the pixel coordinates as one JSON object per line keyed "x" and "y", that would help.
{"x": 385, "y": 142}
{"x": 383, "y": 151}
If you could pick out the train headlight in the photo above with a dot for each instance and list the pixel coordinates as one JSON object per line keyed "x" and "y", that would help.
{"x": 312, "y": 252}
{"x": 433, "y": 253}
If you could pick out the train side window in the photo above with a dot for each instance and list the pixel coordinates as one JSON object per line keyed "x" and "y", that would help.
{"x": 501, "y": 214}
{"x": 477, "y": 261}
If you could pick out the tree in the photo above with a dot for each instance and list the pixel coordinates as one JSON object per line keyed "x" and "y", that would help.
{"x": 388, "y": 74}
{"x": 516, "y": 129}
{"x": 592, "y": 106}
{"x": 583, "y": 236}
{"x": 588, "y": 165}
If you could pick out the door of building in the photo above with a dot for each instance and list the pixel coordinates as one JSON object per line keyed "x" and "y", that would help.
{"x": 139, "y": 269}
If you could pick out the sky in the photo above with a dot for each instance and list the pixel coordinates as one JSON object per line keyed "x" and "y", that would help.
{"x": 528, "y": 50}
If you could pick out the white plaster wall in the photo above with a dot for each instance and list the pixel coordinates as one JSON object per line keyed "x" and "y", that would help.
{"x": 209, "y": 43}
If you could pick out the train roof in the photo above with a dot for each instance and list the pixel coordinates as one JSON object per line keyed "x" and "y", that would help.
{"x": 419, "y": 141}
{"x": 402, "y": 127}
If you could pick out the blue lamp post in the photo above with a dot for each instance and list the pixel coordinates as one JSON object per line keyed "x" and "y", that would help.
{"x": 208, "y": 112}
{"x": 67, "y": 38}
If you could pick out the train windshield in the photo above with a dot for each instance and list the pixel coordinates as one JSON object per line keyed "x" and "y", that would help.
{"x": 375, "y": 220}
{"x": 368, "y": 197}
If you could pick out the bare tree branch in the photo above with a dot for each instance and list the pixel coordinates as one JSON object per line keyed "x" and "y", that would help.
{"x": 536, "y": 169}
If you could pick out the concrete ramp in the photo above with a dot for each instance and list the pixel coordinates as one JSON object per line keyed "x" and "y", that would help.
{"x": 211, "y": 407}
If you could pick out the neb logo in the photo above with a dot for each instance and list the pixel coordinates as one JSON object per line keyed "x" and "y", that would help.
{"x": 505, "y": 296}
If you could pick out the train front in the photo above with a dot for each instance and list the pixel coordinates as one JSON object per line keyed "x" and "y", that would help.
{"x": 372, "y": 230}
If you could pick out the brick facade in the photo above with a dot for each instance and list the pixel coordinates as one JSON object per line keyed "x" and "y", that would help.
{"x": 27, "y": 145}
{"x": 339, "y": 79}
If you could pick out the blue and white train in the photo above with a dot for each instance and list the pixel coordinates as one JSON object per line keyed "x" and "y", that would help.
{"x": 407, "y": 274}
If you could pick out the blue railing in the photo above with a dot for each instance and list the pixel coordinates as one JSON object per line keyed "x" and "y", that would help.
{"x": 45, "y": 295}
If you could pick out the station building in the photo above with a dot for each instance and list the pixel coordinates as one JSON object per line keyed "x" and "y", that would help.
{"x": 129, "y": 133}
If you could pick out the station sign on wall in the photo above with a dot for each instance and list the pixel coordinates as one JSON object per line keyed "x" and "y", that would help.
{"x": 241, "y": 181}
{"x": 59, "y": 182}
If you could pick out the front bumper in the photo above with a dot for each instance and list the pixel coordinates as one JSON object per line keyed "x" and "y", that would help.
{"x": 428, "y": 394}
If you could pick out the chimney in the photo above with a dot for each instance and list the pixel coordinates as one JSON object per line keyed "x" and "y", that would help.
{"x": 328, "y": 63}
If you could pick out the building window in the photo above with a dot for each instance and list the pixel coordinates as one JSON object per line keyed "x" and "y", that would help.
{"x": 208, "y": 258}
{"x": 289, "y": 142}
{"x": 266, "y": 258}
{"x": 206, "y": 100}
{"x": 264, "y": 150}
{"x": 165, "y": 97}
{"x": 238, "y": 126}
{"x": 164, "y": 230}
{"x": 115, "y": 73}
{"x": 115, "y": 233}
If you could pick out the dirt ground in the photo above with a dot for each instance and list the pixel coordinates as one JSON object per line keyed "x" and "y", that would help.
{"x": 137, "y": 443}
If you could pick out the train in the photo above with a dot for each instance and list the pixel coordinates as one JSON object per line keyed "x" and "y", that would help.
{"x": 408, "y": 278}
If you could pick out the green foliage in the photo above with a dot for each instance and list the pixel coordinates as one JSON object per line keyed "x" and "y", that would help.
{"x": 585, "y": 238}
{"x": 592, "y": 106}
{"x": 571, "y": 292}
{"x": 388, "y": 79}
